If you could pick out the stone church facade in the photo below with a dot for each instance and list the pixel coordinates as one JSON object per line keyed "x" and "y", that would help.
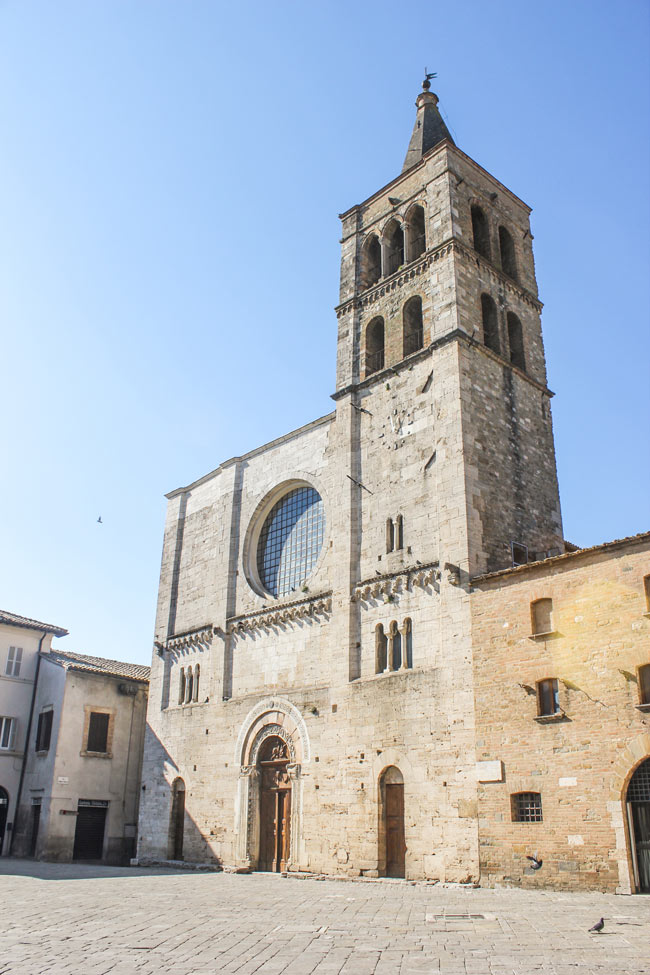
{"x": 318, "y": 694}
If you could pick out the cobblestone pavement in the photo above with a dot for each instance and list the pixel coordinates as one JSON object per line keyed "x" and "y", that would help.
{"x": 88, "y": 920}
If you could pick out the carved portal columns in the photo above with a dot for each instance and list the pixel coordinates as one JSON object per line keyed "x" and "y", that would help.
{"x": 247, "y": 816}
{"x": 278, "y": 718}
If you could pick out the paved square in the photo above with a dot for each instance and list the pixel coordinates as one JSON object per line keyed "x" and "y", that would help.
{"x": 69, "y": 919}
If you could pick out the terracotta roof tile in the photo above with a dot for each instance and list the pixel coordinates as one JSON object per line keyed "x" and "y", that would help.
{"x": 574, "y": 553}
{"x": 98, "y": 665}
{"x": 12, "y": 619}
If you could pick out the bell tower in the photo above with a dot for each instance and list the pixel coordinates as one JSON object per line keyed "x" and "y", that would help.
{"x": 440, "y": 356}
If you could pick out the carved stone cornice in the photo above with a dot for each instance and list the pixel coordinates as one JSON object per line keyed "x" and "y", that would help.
{"x": 311, "y": 608}
{"x": 395, "y": 280}
{"x": 200, "y": 636}
{"x": 409, "y": 271}
{"x": 510, "y": 285}
{"x": 392, "y": 583}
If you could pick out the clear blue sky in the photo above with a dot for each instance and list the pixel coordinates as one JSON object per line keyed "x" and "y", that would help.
{"x": 170, "y": 179}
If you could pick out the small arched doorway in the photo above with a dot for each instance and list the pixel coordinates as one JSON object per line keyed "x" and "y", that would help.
{"x": 392, "y": 843}
{"x": 177, "y": 820}
{"x": 4, "y": 808}
{"x": 638, "y": 817}
{"x": 275, "y": 805}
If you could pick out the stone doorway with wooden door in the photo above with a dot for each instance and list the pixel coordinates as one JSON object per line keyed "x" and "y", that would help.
{"x": 392, "y": 841}
{"x": 275, "y": 805}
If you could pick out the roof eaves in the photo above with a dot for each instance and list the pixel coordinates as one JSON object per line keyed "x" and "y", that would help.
{"x": 554, "y": 560}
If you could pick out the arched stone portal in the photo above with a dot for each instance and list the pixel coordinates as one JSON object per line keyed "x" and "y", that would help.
{"x": 271, "y": 749}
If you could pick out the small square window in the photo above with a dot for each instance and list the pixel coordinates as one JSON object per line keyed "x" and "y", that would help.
{"x": 98, "y": 732}
{"x": 526, "y": 807}
{"x": 519, "y": 553}
{"x": 548, "y": 697}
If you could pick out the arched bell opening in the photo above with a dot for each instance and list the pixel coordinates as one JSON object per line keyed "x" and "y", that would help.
{"x": 391, "y": 835}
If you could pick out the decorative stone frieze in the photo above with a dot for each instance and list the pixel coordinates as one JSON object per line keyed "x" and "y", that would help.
{"x": 419, "y": 576}
{"x": 314, "y": 608}
{"x": 201, "y": 636}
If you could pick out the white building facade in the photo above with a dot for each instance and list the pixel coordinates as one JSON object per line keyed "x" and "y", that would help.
{"x": 22, "y": 640}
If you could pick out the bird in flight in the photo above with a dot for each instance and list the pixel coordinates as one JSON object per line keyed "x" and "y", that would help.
{"x": 99, "y": 520}
{"x": 598, "y": 926}
{"x": 536, "y": 861}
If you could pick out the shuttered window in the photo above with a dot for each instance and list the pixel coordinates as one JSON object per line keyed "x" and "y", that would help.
{"x": 14, "y": 660}
{"x": 98, "y": 732}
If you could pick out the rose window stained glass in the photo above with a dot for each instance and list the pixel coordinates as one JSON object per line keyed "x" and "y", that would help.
{"x": 290, "y": 541}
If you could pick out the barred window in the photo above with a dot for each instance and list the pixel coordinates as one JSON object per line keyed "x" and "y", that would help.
{"x": 639, "y": 788}
{"x": 526, "y": 807}
{"x": 291, "y": 541}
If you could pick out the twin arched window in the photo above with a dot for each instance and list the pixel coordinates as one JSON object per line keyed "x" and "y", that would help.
{"x": 481, "y": 235}
{"x": 491, "y": 339}
{"x": 412, "y": 335}
{"x": 393, "y": 650}
{"x": 401, "y": 243}
{"x": 188, "y": 684}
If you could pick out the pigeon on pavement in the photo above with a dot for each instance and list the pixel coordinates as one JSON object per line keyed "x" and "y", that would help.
{"x": 598, "y": 926}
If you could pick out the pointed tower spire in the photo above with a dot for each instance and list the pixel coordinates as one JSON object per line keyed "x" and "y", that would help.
{"x": 429, "y": 128}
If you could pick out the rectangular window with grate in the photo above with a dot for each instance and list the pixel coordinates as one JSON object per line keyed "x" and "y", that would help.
{"x": 14, "y": 660}
{"x": 7, "y": 734}
{"x": 44, "y": 730}
{"x": 526, "y": 807}
{"x": 98, "y": 732}
{"x": 547, "y": 697}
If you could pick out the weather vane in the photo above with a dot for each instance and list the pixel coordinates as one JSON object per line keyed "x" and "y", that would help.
{"x": 428, "y": 75}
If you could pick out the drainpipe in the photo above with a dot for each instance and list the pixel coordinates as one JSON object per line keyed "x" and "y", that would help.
{"x": 29, "y": 731}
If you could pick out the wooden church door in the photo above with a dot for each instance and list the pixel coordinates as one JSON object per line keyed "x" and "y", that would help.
{"x": 275, "y": 806}
{"x": 395, "y": 842}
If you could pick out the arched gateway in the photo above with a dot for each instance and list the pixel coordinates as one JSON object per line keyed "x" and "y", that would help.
{"x": 272, "y": 747}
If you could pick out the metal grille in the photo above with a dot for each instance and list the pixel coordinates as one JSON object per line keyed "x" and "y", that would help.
{"x": 291, "y": 540}
{"x": 639, "y": 788}
{"x": 527, "y": 807}
{"x": 374, "y": 362}
{"x": 413, "y": 341}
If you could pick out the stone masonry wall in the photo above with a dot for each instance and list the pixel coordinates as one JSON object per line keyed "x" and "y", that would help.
{"x": 580, "y": 763}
